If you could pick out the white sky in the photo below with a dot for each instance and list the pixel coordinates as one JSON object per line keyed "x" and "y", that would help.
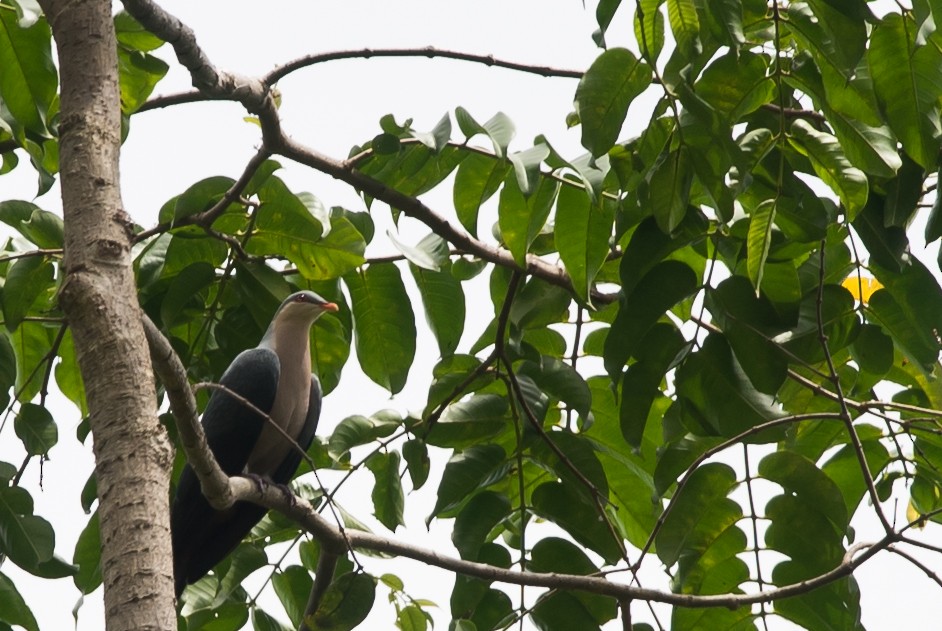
{"x": 330, "y": 108}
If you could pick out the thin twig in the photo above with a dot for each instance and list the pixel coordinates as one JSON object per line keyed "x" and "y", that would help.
{"x": 845, "y": 410}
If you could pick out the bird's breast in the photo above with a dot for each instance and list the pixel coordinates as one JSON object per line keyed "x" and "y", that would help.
{"x": 288, "y": 412}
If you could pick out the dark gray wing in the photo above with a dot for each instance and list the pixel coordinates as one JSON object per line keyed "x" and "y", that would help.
{"x": 289, "y": 465}
{"x": 201, "y": 535}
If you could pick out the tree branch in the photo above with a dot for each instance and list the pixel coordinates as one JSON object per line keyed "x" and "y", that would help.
{"x": 326, "y": 567}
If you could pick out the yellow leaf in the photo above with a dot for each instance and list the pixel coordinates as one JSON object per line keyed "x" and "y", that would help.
{"x": 861, "y": 287}
{"x": 913, "y": 516}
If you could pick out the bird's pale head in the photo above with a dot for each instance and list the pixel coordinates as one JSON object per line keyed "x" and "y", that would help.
{"x": 305, "y": 303}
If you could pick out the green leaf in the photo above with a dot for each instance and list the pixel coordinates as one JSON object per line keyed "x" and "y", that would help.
{"x": 244, "y": 560}
{"x": 384, "y": 324}
{"x": 412, "y": 618}
{"x": 388, "y": 499}
{"x": 641, "y": 383}
{"x": 553, "y": 554}
{"x": 26, "y": 280}
{"x": 886, "y": 245}
{"x": 293, "y": 585}
{"x": 477, "y": 179}
{"x": 910, "y": 309}
{"x": 830, "y": 164}
{"x": 7, "y": 370}
{"x": 873, "y": 350}
{"x": 499, "y": 128}
{"x": 833, "y": 607}
{"x": 759, "y": 241}
{"x": 359, "y": 430}
{"x": 185, "y": 296}
{"x": 603, "y": 15}
{"x": 35, "y": 426}
{"x": 469, "y": 422}
{"x": 87, "y": 557}
{"x": 714, "y": 386}
{"x": 467, "y": 471}
{"x": 649, "y": 28}
{"x": 907, "y": 82}
{"x": 664, "y": 286}
{"x": 132, "y": 35}
{"x": 669, "y": 189}
{"x": 579, "y": 463}
{"x": 31, "y": 343}
{"x": 26, "y": 539}
{"x": 562, "y": 505}
{"x": 736, "y": 84}
{"x": 604, "y": 94}
{"x": 261, "y": 621}
{"x": 560, "y": 381}
{"x": 443, "y": 299}
{"x": 198, "y": 198}
{"x": 749, "y": 324}
{"x": 138, "y": 75}
{"x": 581, "y": 234}
{"x": 521, "y": 218}
{"x": 28, "y": 83}
{"x": 682, "y": 15}
{"x": 527, "y": 167}
{"x": 44, "y": 228}
{"x": 800, "y": 478}
{"x": 415, "y": 453}
{"x": 477, "y": 519}
{"x": 346, "y": 604}
{"x": 701, "y": 513}
{"x": 438, "y": 138}
{"x": 13, "y": 609}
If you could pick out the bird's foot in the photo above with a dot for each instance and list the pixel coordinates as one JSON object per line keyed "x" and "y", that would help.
{"x": 260, "y": 482}
{"x": 288, "y": 493}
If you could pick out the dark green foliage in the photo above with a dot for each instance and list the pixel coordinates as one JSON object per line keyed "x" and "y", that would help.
{"x": 727, "y": 271}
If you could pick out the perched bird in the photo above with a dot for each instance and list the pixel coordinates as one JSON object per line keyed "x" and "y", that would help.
{"x": 276, "y": 378}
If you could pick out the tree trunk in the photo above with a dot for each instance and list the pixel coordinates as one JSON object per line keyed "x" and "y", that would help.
{"x": 133, "y": 455}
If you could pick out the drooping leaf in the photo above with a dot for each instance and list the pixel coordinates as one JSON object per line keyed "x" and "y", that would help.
{"x": 907, "y": 82}
{"x": 582, "y": 231}
{"x": 35, "y": 426}
{"x": 359, "y": 430}
{"x": 388, "y": 499}
{"x": 556, "y": 502}
{"x": 415, "y": 453}
{"x": 476, "y": 520}
{"x": 685, "y": 24}
{"x": 641, "y": 384}
{"x": 26, "y": 539}
{"x": 29, "y": 82}
{"x": 384, "y": 324}
{"x": 477, "y": 179}
{"x": 702, "y": 512}
{"x": 346, "y": 604}
{"x": 669, "y": 189}
{"x": 659, "y": 290}
{"x": 87, "y": 557}
{"x": 831, "y": 165}
{"x": 13, "y": 609}
{"x": 467, "y": 471}
{"x": 713, "y": 386}
{"x": 604, "y": 94}
{"x": 26, "y": 280}
{"x": 444, "y": 302}
{"x": 293, "y": 585}
{"x": 521, "y": 218}
{"x": 759, "y": 241}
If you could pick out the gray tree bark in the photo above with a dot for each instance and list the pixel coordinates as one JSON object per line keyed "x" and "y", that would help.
{"x": 132, "y": 452}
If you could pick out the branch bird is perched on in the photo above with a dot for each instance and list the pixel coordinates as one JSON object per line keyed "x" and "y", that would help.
{"x": 276, "y": 378}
